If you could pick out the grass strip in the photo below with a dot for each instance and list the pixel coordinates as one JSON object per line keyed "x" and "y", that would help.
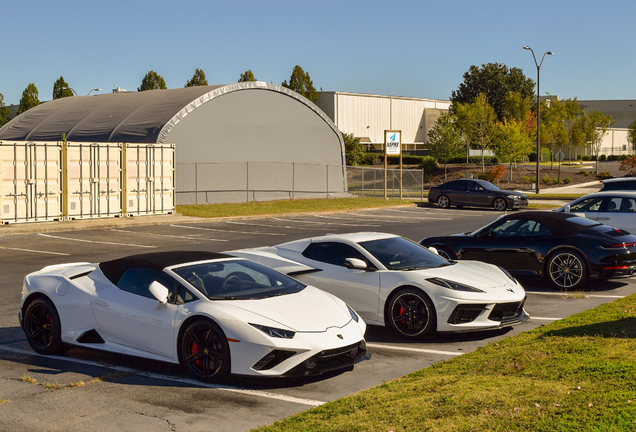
{"x": 575, "y": 374}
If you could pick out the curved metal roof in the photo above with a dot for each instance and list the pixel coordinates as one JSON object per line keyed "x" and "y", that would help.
{"x": 133, "y": 117}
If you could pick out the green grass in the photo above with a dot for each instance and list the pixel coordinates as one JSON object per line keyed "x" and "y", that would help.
{"x": 576, "y": 374}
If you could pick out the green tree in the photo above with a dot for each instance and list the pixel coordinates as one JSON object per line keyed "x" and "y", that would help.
{"x": 445, "y": 140}
{"x": 517, "y": 107}
{"x": 631, "y": 134}
{"x": 301, "y": 83}
{"x": 597, "y": 126}
{"x": 61, "y": 89}
{"x": 495, "y": 81}
{"x": 29, "y": 98}
{"x": 198, "y": 79}
{"x": 512, "y": 142}
{"x": 152, "y": 81}
{"x": 247, "y": 76}
{"x": 478, "y": 122}
{"x": 5, "y": 114}
{"x": 354, "y": 151}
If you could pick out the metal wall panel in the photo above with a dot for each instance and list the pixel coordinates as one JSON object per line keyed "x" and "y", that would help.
{"x": 93, "y": 180}
{"x": 31, "y": 181}
{"x": 149, "y": 177}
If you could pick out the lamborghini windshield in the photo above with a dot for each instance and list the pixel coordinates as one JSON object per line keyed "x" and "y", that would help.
{"x": 398, "y": 253}
{"x": 237, "y": 280}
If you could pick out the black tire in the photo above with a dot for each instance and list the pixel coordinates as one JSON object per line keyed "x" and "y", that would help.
{"x": 204, "y": 351}
{"x": 42, "y": 327}
{"x": 445, "y": 253}
{"x": 566, "y": 270}
{"x": 411, "y": 314}
{"x": 500, "y": 204}
{"x": 443, "y": 201}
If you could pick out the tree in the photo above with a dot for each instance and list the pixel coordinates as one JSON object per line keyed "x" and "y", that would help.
{"x": 478, "y": 122}
{"x": 5, "y": 114}
{"x": 152, "y": 81}
{"x": 301, "y": 83}
{"x": 598, "y": 124}
{"x": 445, "y": 140}
{"x": 247, "y": 76}
{"x": 512, "y": 142}
{"x": 517, "y": 107}
{"x": 61, "y": 89}
{"x": 29, "y": 98}
{"x": 631, "y": 134}
{"x": 354, "y": 151}
{"x": 198, "y": 79}
{"x": 495, "y": 81}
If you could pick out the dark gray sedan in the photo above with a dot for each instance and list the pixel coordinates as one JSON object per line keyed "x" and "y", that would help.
{"x": 478, "y": 193}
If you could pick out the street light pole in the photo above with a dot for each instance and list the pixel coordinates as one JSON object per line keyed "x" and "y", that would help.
{"x": 95, "y": 89}
{"x": 538, "y": 65}
{"x": 68, "y": 88}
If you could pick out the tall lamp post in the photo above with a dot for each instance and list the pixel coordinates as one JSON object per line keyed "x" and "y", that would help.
{"x": 538, "y": 65}
{"x": 95, "y": 89}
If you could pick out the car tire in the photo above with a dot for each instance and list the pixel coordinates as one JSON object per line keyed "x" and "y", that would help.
{"x": 443, "y": 201}
{"x": 411, "y": 314}
{"x": 499, "y": 204}
{"x": 204, "y": 351}
{"x": 446, "y": 254}
{"x": 566, "y": 270}
{"x": 42, "y": 327}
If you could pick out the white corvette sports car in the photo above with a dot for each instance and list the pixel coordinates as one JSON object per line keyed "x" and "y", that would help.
{"x": 213, "y": 313}
{"x": 394, "y": 282}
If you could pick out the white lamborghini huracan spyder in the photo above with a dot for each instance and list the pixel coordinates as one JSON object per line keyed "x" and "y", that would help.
{"x": 213, "y": 313}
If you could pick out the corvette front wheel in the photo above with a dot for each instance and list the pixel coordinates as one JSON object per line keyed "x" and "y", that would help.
{"x": 42, "y": 326}
{"x": 412, "y": 314}
{"x": 205, "y": 352}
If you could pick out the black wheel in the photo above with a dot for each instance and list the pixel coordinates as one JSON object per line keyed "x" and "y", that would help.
{"x": 205, "y": 352}
{"x": 446, "y": 254}
{"x": 42, "y": 326}
{"x": 443, "y": 201}
{"x": 411, "y": 314}
{"x": 499, "y": 204}
{"x": 566, "y": 270}
{"x": 232, "y": 280}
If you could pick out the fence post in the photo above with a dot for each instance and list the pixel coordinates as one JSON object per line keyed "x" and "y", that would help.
{"x": 327, "y": 167}
{"x": 293, "y": 180}
{"x": 422, "y": 184}
{"x": 196, "y": 183}
{"x": 247, "y": 182}
{"x": 362, "y": 182}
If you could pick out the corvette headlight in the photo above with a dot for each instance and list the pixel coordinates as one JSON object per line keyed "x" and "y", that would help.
{"x": 353, "y": 314}
{"x": 274, "y": 332}
{"x": 454, "y": 285}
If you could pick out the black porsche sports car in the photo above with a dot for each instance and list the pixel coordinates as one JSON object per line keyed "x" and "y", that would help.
{"x": 565, "y": 248}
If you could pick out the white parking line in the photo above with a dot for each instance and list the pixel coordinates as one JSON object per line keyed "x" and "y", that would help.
{"x": 168, "y": 235}
{"x": 264, "y": 394}
{"x": 417, "y": 350}
{"x": 263, "y": 225}
{"x": 574, "y": 294}
{"x": 544, "y": 319}
{"x": 95, "y": 241}
{"x": 34, "y": 251}
{"x": 227, "y": 231}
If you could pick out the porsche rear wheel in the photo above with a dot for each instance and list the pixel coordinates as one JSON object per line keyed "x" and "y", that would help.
{"x": 566, "y": 270}
{"x": 205, "y": 352}
{"x": 42, "y": 326}
{"x": 411, "y": 314}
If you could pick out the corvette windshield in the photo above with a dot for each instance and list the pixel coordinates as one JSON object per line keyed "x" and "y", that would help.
{"x": 398, "y": 253}
{"x": 237, "y": 280}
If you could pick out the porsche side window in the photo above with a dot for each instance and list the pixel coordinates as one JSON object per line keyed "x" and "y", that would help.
{"x": 521, "y": 228}
{"x": 332, "y": 253}
{"x": 587, "y": 205}
{"x": 507, "y": 228}
{"x": 137, "y": 280}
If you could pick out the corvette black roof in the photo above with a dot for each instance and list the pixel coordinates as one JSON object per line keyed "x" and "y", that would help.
{"x": 156, "y": 261}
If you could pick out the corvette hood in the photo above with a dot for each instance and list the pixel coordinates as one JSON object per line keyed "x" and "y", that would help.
{"x": 310, "y": 310}
{"x": 472, "y": 273}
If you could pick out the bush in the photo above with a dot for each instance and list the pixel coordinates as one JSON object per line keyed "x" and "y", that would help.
{"x": 567, "y": 180}
{"x": 428, "y": 164}
{"x": 602, "y": 158}
{"x": 461, "y": 175}
{"x": 583, "y": 172}
{"x": 496, "y": 173}
{"x": 528, "y": 179}
{"x": 629, "y": 165}
{"x": 613, "y": 157}
{"x": 546, "y": 179}
{"x": 605, "y": 175}
{"x": 373, "y": 159}
{"x": 482, "y": 176}
{"x": 585, "y": 157}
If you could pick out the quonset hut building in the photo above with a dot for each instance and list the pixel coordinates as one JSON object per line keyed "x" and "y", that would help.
{"x": 240, "y": 142}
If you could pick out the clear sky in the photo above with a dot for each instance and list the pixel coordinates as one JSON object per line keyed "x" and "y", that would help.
{"x": 403, "y": 48}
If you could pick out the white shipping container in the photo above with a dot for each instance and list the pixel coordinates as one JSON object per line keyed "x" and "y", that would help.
{"x": 150, "y": 171}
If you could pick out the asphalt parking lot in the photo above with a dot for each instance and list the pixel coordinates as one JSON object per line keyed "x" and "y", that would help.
{"x": 125, "y": 393}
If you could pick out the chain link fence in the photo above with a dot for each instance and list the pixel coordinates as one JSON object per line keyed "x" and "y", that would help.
{"x": 369, "y": 182}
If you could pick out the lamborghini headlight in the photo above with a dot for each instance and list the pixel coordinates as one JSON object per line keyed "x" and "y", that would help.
{"x": 275, "y": 332}
{"x": 353, "y": 314}
{"x": 453, "y": 285}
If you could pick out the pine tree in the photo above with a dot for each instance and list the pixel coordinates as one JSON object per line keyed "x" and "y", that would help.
{"x": 198, "y": 79}
{"x": 152, "y": 81}
{"x": 301, "y": 83}
{"x": 61, "y": 89}
{"x": 29, "y": 98}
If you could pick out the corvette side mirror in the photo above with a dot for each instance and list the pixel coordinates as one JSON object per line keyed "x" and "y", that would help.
{"x": 159, "y": 291}
{"x": 355, "y": 263}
